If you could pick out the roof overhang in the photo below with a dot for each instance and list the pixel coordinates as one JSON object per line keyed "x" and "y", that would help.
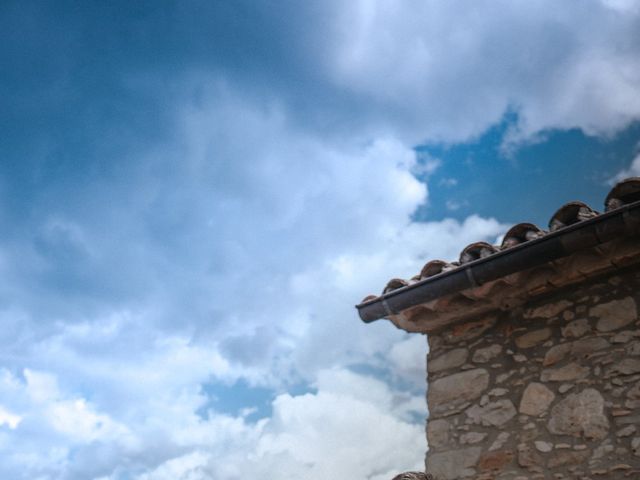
{"x": 511, "y": 276}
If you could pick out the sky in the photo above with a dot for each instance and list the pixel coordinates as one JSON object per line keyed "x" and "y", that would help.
{"x": 194, "y": 195}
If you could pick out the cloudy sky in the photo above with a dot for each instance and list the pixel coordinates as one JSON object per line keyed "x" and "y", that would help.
{"x": 194, "y": 195}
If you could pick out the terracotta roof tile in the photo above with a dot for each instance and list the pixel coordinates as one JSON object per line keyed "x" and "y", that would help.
{"x": 476, "y": 251}
{"x": 570, "y": 213}
{"x": 434, "y": 267}
{"x": 625, "y": 192}
{"x": 395, "y": 284}
{"x": 521, "y": 233}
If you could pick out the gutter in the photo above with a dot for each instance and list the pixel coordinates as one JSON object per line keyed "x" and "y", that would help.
{"x": 589, "y": 233}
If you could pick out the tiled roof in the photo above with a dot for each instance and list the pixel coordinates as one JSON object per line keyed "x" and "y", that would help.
{"x": 567, "y": 217}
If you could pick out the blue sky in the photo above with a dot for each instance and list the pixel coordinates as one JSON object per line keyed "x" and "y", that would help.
{"x": 193, "y": 196}
{"x": 479, "y": 176}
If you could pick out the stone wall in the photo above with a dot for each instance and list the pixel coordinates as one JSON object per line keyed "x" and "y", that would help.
{"x": 547, "y": 391}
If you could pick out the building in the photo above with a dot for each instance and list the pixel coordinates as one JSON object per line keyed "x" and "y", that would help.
{"x": 534, "y": 347}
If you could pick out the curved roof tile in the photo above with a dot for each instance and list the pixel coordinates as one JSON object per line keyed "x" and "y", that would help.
{"x": 369, "y": 298}
{"x": 475, "y": 251}
{"x": 626, "y": 191}
{"x": 570, "y": 213}
{"x": 395, "y": 284}
{"x": 521, "y": 233}
{"x": 435, "y": 267}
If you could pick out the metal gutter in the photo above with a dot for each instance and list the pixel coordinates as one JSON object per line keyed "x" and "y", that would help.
{"x": 622, "y": 221}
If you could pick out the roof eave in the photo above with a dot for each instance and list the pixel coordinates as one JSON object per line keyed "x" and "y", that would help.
{"x": 622, "y": 221}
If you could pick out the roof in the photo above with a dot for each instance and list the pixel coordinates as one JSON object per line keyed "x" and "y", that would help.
{"x": 574, "y": 227}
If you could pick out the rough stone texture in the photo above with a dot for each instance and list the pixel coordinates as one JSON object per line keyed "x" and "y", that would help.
{"x": 576, "y": 329}
{"x": 626, "y": 366}
{"x": 586, "y": 346}
{"x": 542, "y": 446}
{"x": 573, "y": 371}
{"x": 580, "y": 414}
{"x": 458, "y": 388}
{"x": 634, "y": 392}
{"x": 567, "y": 457}
{"x": 633, "y": 349}
{"x": 626, "y": 431}
{"x": 495, "y": 461}
{"x": 499, "y": 442}
{"x": 556, "y": 353}
{"x": 547, "y": 310}
{"x": 496, "y": 413}
{"x": 548, "y": 391}
{"x": 528, "y": 457}
{"x": 536, "y": 399}
{"x": 455, "y": 463}
{"x": 624, "y": 337}
{"x": 532, "y": 339}
{"x": 446, "y": 361}
{"x": 438, "y": 433}
{"x": 474, "y": 437}
{"x": 635, "y": 446}
{"x": 470, "y": 330}
{"x": 615, "y": 314}
{"x": 484, "y": 355}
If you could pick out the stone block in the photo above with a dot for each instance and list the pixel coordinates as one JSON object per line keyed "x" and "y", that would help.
{"x": 536, "y": 399}
{"x": 635, "y": 446}
{"x": 438, "y": 433}
{"x": 634, "y": 392}
{"x": 615, "y": 314}
{"x": 626, "y": 366}
{"x": 458, "y": 388}
{"x": 453, "y": 464}
{"x": 586, "y": 346}
{"x": 469, "y": 330}
{"x": 451, "y": 359}
{"x": 547, "y": 310}
{"x": 492, "y": 414}
{"x": 495, "y": 461}
{"x": 472, "y": 437}
{"x": 542, "y": 446}
{"x": 576, "y": 328}
{"x": 556, "y": 354}
{"x": 531, "y": 339}
{"x": 485, "y": 355}
{"x": 499, "y": 442}
{"x": 580, "y": 414}
{"x": 568, "y": 457}
{"x": 528, "y": 457}
{"x": 572, "y": 371}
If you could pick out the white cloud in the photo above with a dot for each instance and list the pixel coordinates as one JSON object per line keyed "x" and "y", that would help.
{"x": 625, "y": 6}
{"x": 448, "y": 182}
{"x": 337, "y": 431}
{"x": 408, "y": 358}
{"x": 347, "y": 443}
{"x": 10, "y": 419}
{"x": 334, "y": 433}
{"x": 236, "y": 248}
{"x": 451, "y": 70}
{"x": 186, "y": 467}
{"x": 284, "y": 249}
{"x": 632, "y": 171}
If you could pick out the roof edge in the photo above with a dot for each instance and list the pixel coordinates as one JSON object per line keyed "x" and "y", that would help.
{"x": 563, "y": 242}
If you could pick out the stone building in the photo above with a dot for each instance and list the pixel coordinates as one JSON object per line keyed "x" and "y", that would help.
{"x": 534, "y": 348}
